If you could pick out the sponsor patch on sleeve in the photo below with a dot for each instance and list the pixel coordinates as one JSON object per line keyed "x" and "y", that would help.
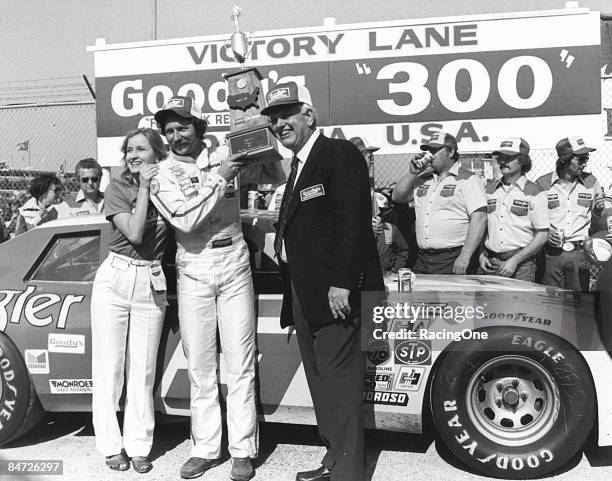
{"x": 154, "y": 186}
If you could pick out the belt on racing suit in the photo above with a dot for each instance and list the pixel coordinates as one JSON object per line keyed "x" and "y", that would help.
{"x": 119, "y": 260}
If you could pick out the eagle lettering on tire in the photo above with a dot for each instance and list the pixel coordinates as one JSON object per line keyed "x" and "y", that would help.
{"x": 521, "y": 406}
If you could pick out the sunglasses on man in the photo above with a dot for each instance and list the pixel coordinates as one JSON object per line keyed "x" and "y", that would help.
{"x": 85, "y": 180}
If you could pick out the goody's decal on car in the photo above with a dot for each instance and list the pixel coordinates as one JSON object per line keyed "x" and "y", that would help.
{"x": 71, "y": 386}
{"x": 39, "y": 310}
{"x": 413, "y": 352}
{"x": 378, "y": 352}
{"x": 67, "y": 343}
{"x": 409, "y": 378}
{"x": 386, "y": 398}
{"x": 37, "y": 361}
{"x": 378, "y": 382}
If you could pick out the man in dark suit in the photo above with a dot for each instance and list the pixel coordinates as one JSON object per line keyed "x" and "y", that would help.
{"x": 327, "y": 255}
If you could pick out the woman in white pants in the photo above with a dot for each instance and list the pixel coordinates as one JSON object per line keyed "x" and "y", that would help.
{"x": 128, "y": 306}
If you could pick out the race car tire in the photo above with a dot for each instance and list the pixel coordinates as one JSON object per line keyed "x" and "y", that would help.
{"x": 18, "y": 399}
{"x": 517, "y": 405}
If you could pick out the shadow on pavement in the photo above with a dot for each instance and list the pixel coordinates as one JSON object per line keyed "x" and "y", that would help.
{"x": 53, "y": 426}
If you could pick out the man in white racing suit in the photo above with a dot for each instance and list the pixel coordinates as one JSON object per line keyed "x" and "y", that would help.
{"x": 195, "y": 192}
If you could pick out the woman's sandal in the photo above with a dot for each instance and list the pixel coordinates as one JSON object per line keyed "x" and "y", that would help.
{"x": 141, "y": 464}
{"x": 118, "y": 462}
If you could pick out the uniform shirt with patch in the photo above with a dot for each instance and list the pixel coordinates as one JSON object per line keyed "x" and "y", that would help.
{"x": 120, "y": 197}
{"x": 514, "y": 213}
{"x": 80, "y": 205}
{"x": 443, "y": 208}
{"x": 195, "y": 200}
{"x": 570, "y": 206}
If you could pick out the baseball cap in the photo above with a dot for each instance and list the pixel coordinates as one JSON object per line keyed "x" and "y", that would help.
{"x": 182, "y": 106}
{"x": 512, "y": 146}
{"x": 572, "y": 145}
{"x": 286, "y": 94}
{"x": 440, "y": 139}
{"x": 362, "y": 144}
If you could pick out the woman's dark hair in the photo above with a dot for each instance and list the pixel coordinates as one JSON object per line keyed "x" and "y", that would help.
{"x": 156, "y": 141}
{"x": 41, "y": 184}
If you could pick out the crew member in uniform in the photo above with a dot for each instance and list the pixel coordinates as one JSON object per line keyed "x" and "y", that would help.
{"x": 517, "y": 220}
{"x": 89, "y": 199}
{"x": 327, "y": 254}
{"x": 575, "y": 199}
{"x": 450, "y": 205}
{"x": 195, "y": 192}
{"x": 128, "y": 305}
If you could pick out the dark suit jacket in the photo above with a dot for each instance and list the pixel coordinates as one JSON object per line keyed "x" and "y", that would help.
{"x": 328, "y": 234}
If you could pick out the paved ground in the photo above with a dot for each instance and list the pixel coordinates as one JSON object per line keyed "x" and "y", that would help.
{"x": 284, "y": 449}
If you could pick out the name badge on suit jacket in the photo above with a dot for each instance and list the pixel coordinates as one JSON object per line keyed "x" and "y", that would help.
{"x": 312, "y": 192}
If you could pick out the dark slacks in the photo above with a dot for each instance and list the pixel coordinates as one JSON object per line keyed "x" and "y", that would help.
{"x": 334, "y": 366}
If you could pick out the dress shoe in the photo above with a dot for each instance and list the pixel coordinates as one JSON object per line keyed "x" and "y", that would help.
{"x": 242, "y": 469}
{"x": 196, "y": 467}
{"x": 319, "y": 474}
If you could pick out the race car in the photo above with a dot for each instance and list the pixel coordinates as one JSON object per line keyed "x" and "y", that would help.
{"x": 513, "y": 374}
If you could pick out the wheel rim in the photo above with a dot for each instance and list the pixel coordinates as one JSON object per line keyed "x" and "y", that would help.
{"x": 512, "y": 400}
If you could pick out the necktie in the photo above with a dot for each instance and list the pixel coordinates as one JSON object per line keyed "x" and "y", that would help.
{"x": 282, "y": 216}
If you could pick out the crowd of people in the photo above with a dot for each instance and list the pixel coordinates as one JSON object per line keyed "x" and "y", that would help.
{"x": 336, "y": 236}
{"x": 46, "y": 199}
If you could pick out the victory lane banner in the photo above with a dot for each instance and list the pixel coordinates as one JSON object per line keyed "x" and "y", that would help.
{"x": 394, "y": 82}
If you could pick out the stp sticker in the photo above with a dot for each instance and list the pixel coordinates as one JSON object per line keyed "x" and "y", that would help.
{"x": 409, "y": 378}
{"x": 37, "y": 361}
{"x": 67, "y": 343}
{"x": 70, "y": 386}
{"x": 413, "y": 352}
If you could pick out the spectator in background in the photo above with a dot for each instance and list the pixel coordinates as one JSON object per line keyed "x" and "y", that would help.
{"x": 45, "y": 190}
{"x": 275, "y": 201}
{"x": 367, "y": 151}
{"x": 517, "y": 216}
{"x": 450, "y": 206}
{"x": 89, "y": 199}
{"x": 10, "y": 221}
{"x": 575, "y": 199}
{"x": 392, "y": 247}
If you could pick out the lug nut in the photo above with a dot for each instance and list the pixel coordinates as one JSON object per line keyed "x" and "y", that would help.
{"x": 499, "y": 386}
{"x": 524, "y": 396}
{"x": 515, "y": 382}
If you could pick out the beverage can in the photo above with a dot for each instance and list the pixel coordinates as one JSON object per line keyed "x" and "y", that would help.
{"x": 421, "y": 162}
{"x": 253, "y": 196}
{"x": 405, "y": 279}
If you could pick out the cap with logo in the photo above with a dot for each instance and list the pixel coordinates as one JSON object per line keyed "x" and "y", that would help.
{"x": 286, "y": 94}
{"x": 572, "y": 145}
{"x": 512, "y": 146}
{"x": 182, "y": 106}
{"x": 363, "y": 145}
{"x": 440, "y": 139}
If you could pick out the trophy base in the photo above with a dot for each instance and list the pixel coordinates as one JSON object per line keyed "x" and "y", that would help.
{"x": 257, "y": 143}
